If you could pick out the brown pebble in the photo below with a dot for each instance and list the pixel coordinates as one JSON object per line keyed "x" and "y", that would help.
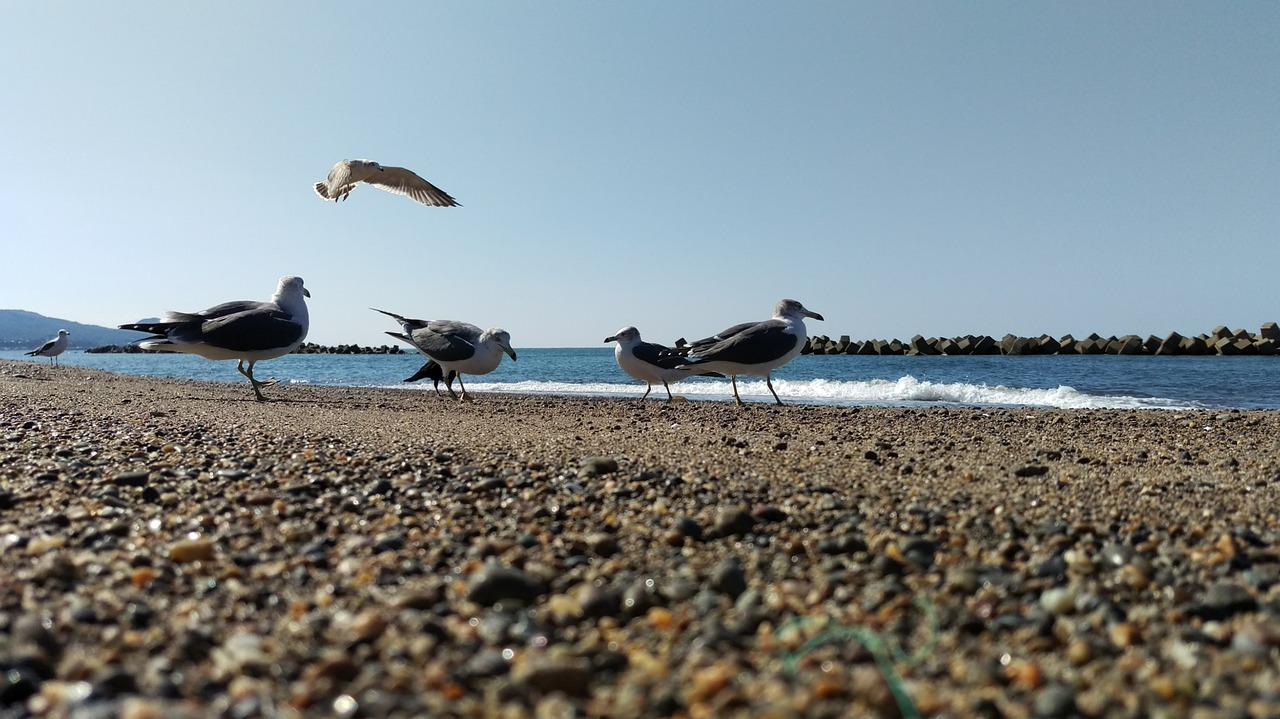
{"x": 192, "y": 550}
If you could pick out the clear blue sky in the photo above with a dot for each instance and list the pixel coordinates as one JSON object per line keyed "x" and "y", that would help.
{"x": 902, "y": 168}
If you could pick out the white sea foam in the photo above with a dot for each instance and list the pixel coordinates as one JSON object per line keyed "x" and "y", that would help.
{"x": 906, "y": 391}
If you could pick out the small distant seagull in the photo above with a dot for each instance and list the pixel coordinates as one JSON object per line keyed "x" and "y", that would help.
{"x": 753, "y": 348}
{"x": 344, "y": 176}
{"x": 650, "y": 362}
{"x": 52, "y": 348}
{"x": 243, "y": 330}
{"x": 456, "y": 347}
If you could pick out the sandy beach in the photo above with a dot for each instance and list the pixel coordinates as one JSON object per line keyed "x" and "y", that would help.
{"x": 174, "y": 548}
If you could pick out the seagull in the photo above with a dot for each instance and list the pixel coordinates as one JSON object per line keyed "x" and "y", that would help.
{"x": 433, "y": 371}
{"x": 52, "y": 348}
{"x": 649, "y": 362}
{"x": 456, "y": 347}
{"x": 245, "y": 330}
{"x": 753, "y": 348}
{"x": 343, "y": 177}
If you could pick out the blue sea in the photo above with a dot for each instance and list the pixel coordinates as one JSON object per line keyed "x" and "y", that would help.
{"x": 1067, "y": 381}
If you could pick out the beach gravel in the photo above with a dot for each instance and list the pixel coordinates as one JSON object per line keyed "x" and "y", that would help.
{"x": 173, "y": 548}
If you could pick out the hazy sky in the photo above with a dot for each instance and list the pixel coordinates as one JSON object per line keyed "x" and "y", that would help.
{"x": 901, "y": 167}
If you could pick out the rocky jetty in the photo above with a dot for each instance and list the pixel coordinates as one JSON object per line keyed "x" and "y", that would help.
{"x": 1221, "y": 341}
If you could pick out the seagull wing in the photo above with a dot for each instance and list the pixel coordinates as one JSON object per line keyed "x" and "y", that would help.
{"x": 749, "y": 344}
{"x": 43, "y": 348}
{"x": 261, "y": 329}
{"x": 225, "y": 309}
{"x": 442, "y": 345}
{"x": 658, "y": 355}
{"x": 406, "y": 182}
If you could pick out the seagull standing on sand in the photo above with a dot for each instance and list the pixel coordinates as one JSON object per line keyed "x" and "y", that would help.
{"x": 456, "y": 347}
{"x": 650, "y": 362}
{"x": 343, "y": 177}
{"x": 52, "y": 348}
{"x": 753, "y": 348}
{"x": 244, "y": 330}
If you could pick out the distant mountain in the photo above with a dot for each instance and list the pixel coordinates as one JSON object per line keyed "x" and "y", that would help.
{"x": 20, "y": 329}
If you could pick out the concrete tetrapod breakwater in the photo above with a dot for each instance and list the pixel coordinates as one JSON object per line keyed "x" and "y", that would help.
{"x": 1221, "y": 341}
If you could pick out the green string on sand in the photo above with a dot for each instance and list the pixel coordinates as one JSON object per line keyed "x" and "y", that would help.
{"x": 883, "y": 652}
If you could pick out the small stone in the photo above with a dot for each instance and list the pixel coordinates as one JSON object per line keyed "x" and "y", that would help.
{"x": 192, "y": 550}
{"x": 1054, "y": 701}
{"x": 1224, "y": 600}
{"x": 768, "y": 513}
{"x": 495, "y": 583}
{"x": 920, "y": 552}
{"x": 1059, "y": 601}
{"x": 602, "y": 544}
{"x": 688, "y": 527}
{"x": 847, "y": 544}
{"x": 546, "y": 674}
{"x": 1030, "y": 470}
{"x": 728, "y": 578}
{"x": 597, "y": 466}
{"x": 733, "y": 521}
{"x": 131, "y": 479}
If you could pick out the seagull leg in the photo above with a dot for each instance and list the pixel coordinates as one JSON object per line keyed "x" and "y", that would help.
{"x": 253, "y": 382}
{"x": 668, "y": 388}
{"x": 648, "y": 387}
{"x": 769, "y": 382}
{"x": 733, "y": 380}
{"x": 465, "y": 397}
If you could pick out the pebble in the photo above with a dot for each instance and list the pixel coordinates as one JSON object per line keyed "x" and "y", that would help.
{"x": 495, "y": 583}
{"x": 732, "y": 521}
{"x": 192, "y": 550}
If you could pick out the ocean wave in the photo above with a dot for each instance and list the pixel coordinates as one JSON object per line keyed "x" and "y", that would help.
{"x": 905, "y": 391}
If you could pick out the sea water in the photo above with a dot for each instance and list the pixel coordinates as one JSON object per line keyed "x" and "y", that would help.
{"x": 1061, "y": 381}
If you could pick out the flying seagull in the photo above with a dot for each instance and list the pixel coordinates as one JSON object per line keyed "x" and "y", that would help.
{"x": 753, "y": 348}
{"x": 244, "y": 330}
{"x": 343, "y": 177}
{"x": 52, "y": 348}
{"x": 649, "y": 362}
{"x": 456, "y": 347}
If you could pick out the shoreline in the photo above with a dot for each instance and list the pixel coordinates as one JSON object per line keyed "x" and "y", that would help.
{"x": 174, "y": 546}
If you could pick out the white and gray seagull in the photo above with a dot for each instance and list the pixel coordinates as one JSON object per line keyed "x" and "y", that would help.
{"x": 457, "y": 348}
{"x": 52, "y": 348}
{"x": 244, "y": 330}
{"x": 650, "y": 362}
{"x": 753, "y": 348}
{"x": 346, "y": 174}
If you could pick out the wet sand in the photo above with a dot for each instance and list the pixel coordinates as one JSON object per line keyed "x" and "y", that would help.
{"x": 174, "y": 548}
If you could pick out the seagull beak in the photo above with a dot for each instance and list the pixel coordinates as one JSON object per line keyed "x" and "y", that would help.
{"x": 814, "y": 315}
{"x": 511, "y": 352}
{"x": 607, "y": 340}
{"x": 306, "y": 292}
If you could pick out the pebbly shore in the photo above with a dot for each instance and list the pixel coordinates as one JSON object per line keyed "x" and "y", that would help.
{"x": 173, "y": 548}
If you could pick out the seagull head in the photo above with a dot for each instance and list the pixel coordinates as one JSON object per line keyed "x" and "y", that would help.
{"x": 290, "y": 284}
{"x": 624, "y": 336}
{"x": 368, "y": 165}
{"x": 794, "y": 310}
{"x": 500, "y": 337}
{"x": 63, "y": 333}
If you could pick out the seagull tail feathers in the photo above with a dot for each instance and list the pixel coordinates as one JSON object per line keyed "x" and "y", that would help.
{"x": 430, "y": 370}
